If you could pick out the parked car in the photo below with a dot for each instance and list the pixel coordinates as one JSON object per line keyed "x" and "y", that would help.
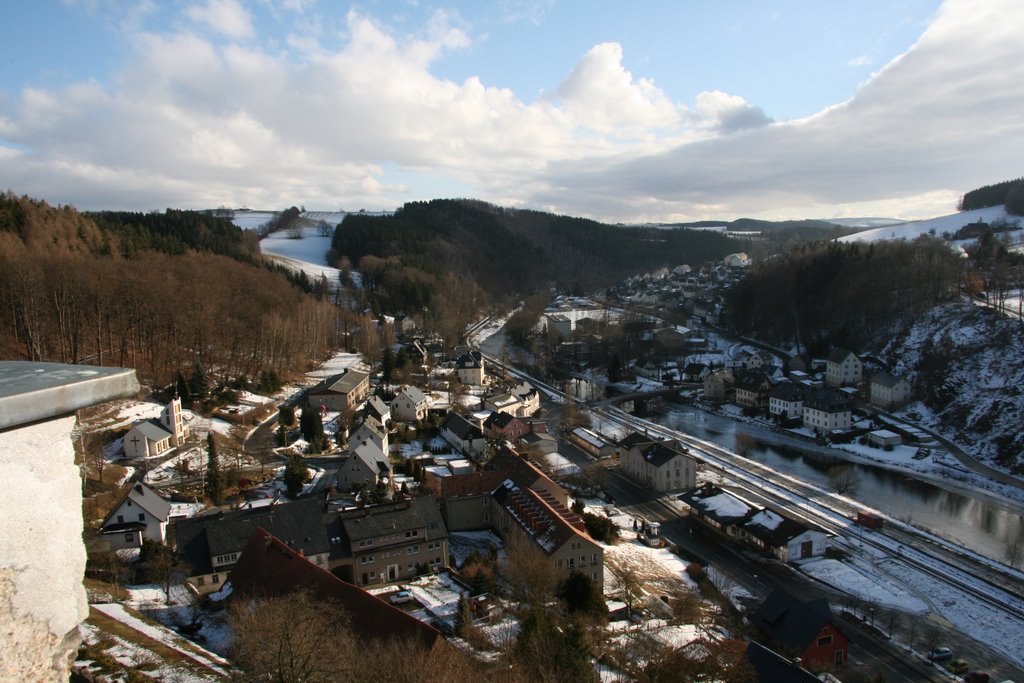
{"x": 958, "y": 666}
{"x": 940, "y": 654}
{"x": 977, "y": 677}
{"x": 401, "y": 597}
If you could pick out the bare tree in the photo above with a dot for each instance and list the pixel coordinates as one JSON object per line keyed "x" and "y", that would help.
{"x": 293, "y": 637}
{"x": 745, "y": 444}
{"x": 629, "y": 579}
{"x": 842, "y": 478}
{"x": 529, "y": 574}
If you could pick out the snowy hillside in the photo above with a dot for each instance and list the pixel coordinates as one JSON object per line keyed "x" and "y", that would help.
{"x": 940, "y": 225}
{"x": 973, "y": 361}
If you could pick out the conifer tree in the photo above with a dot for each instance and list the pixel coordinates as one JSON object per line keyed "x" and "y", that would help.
{"x": 214, "y": 480}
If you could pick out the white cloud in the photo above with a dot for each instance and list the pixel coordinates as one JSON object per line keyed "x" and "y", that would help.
{"x": 862, "y": 60}
{"x": 729, "y": 113}
{"x": 227, "y": 17}
{"x": 602, "y": 95}
{"x": 195, "y": 122}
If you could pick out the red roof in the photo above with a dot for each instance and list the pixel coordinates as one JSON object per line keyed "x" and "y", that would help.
{"x": 268, "y": 567}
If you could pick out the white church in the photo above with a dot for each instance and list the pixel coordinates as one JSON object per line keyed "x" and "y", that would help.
{"x": 155, "y": 437}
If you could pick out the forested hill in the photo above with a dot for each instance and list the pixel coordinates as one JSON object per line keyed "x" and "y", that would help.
{"x": 853, "y": 295}
{"x": 508, "y": 251}
{"x": 1009, "y": 193}
{"x": 161, "y": 293}
{"x": 31, "y": 225}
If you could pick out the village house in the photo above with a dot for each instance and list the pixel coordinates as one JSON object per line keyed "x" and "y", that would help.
{"x": 827, "y": 410}
{"x": 153, "y": 438}
{"x": 142, "y": 515}
{"x": 718, "y": 509}
{"x": 378, "y": 410}
{"x": 529, "y": 399}
{"x": 341, "y": 392}
{"x": 502, "y": 403}
{"x": 802, "y": 628}
{"x": 463, "y": 435}
{"x": 718, "y": 386}
{"x": 889, "y": 392}
{"x": 541, "y": 442}
{"x": 786, "y": 401}
{"x": 504, "y": 426}
{"x": 469, "y": 368}
{"x": 659, "y": 465}
{"x": 842, "y": 368}
{"x": 366, "y": 465}
{"x": 558, "y": 324}
{"x": 539, "y": 519}
{"x": 752, "y": 388}
{"x": 784, "y": 538}
{"x": 370, "y": 431}
{"x": 695, "y": 372}
{"x": 387, "y": 543}
{"x": 209, "y": 545}
{"x": 591, "y": 443}
{"x": 410, "y": 404}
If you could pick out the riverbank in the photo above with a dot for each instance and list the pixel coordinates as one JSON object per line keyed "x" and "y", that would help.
{"x": 939, "y": 469}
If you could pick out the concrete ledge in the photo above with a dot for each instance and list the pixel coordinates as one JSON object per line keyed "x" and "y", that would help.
{"x": 30, "y": 392}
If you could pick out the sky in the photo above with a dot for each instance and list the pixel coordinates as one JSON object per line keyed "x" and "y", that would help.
{"x": 623, "y": 112}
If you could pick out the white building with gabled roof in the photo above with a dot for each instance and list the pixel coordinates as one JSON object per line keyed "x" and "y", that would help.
{"x": 155, "y": 437}
{"x": 140, "y": 516}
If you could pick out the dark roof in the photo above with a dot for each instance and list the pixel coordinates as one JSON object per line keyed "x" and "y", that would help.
{"x": 473, "y": 359}
{"x": 472, "y": 484}
{"x": 340, "y": 384}
{"x": 634, "y": 439}
{"x": 773, "y": 667}
{"x": 417, "y": 513}
{"x": 886, "y": 380}
{"x": 515, "y": 467}
{"x": 662, "y": 452}
{"x": 778, "y": 535}
{"x": 750, "y": 380}
{"x": 838, "y": 355}
{"x": 827, "y": 400}
{"x": 376, "y": 407}
{"x": 694, "y": 368}
{"x": 788, "y": 391}
{"x": 461, "y": 427}
{"x": 269, "y": 567}
{"x": 298, "y": 524}
{"x": 499, "y": 420}
{"x": 791, "y": 621}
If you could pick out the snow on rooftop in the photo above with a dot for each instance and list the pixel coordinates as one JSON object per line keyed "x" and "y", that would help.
{"x": 767, "y": 519}
{"x": 725, "y": 505}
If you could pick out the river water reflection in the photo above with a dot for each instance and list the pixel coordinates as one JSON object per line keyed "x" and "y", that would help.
{"x": 975, "y": 523}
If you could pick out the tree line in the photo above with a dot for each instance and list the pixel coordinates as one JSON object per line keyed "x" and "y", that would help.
{"x": 1009, "y": 193}
{"x": 854, "y": 295}
{"x": 70, "y": 293}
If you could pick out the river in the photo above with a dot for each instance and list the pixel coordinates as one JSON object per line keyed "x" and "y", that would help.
{"x": 976, "y": 522}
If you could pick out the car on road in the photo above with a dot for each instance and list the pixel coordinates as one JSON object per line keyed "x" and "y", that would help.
{"x": 940, "y": 654}
{"x": 401, "y": 597}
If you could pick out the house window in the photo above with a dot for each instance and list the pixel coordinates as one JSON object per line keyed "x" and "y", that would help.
{"x": 824, "y": 640}
{"x": 216, "y": 578}
{"x": 128, "y": 538}
{"x": 595, "y": 560}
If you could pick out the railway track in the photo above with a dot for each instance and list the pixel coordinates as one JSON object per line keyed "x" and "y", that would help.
{"x": 973, "y": 575}
{"x": 997, "y": 586}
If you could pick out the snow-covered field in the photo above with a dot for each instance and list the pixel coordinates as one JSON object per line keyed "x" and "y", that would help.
{"x": 940, "y": 225}
{"x": 308, "y": 254}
